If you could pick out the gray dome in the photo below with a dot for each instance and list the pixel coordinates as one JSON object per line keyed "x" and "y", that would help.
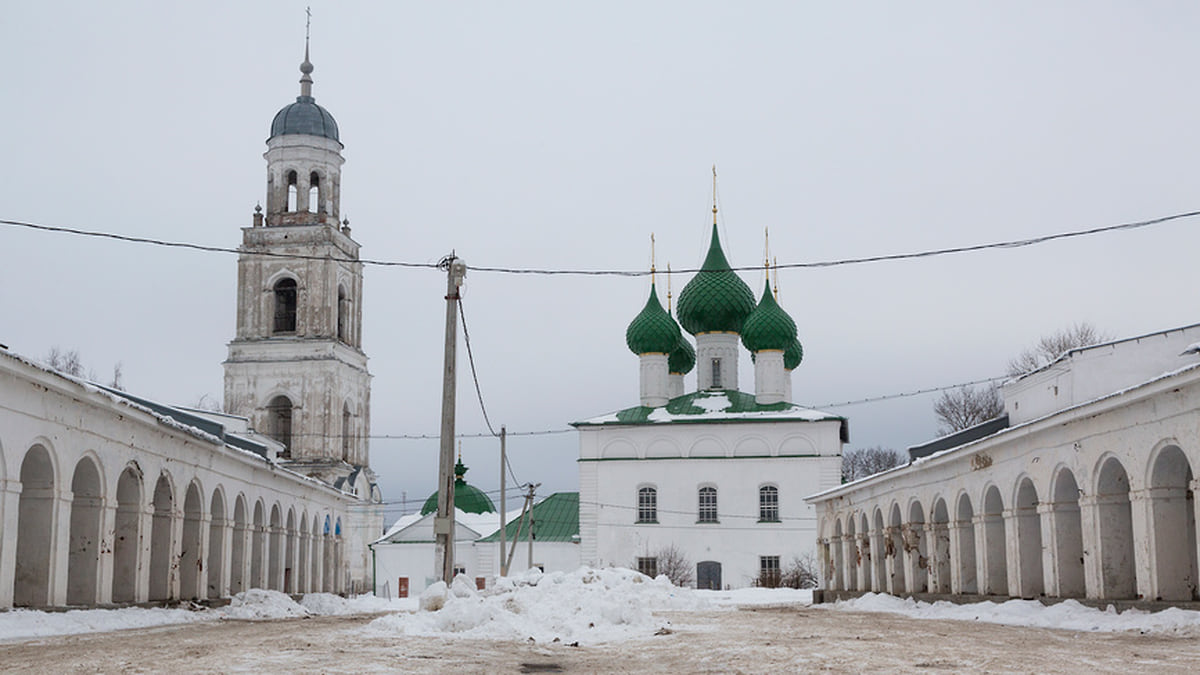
{"x": 304, "y": 117}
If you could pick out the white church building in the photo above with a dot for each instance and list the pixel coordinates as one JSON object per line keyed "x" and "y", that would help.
{"x": 1085, "y": 488}
{"x": 107, "y": 498}
{"x": 716, "y": 474}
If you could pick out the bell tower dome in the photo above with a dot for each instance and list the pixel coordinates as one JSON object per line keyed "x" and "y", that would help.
{"x": 296, "y": 368}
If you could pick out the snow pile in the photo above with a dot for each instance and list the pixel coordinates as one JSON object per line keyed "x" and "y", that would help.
{"x": 1068, "y": 614}
{"x": 587, "y": 606}
{"x": 744, "y": 597}
{"x": 328, "y": 604}
{"x": 257, "y": 603}
{"x": 29, "y": 623}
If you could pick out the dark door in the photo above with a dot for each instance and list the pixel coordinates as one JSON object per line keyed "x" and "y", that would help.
{"x": 708, "y": 575}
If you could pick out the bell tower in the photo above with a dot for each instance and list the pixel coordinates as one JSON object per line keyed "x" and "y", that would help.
{"x": 296, "y": 368}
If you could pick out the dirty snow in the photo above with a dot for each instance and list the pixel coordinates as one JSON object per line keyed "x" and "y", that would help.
{"x": 587, "y": 606}
{"x": 1068, "y": 614}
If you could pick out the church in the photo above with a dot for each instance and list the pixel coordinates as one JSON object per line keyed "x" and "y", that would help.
{"x": 107, "y": 498}
{"x": 710, "y": 482}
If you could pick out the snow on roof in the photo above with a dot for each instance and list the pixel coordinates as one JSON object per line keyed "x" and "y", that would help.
{"x": 970, "y": 445}
{"x": 712, "y": 406}
{"x": 1077, "y": 350}
{"x": 481, "y": 524}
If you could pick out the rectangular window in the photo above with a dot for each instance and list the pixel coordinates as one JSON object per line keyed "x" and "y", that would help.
{"x": 768, "y": 571}
{"x": 708, "y": 505}
{"x": 647, "y": 505}
{"x": 648, "y": 566}
{"x": 716, "y": 374}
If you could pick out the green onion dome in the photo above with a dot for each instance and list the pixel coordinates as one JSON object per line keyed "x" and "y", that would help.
{"x": 467, "y": 498}
{"x": 652, "y": 331}
{"x": 682, "y": 359}
{"x": 793, "y": 355}
{"x": 716, "y": 299}
{"x": 768, "y": 326}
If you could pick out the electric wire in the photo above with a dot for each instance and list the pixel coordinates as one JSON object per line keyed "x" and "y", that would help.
{"x": 1009, "y": 244}
{"x": 478, "y": 391}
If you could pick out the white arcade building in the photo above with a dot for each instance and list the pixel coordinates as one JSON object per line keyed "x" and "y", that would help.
{"x": 1085, "y": 488}
{"x": 717, "y": 474}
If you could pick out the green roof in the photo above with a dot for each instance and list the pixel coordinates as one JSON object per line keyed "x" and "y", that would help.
{"x": 768, "y": 326}
{"x": 555, "y": 518}
{"x": 716, "y": 299}
{"x": 652, "y": 331}
{"x": 467, "y": 498}
{"x": 712, "y": 407}
{"x": 793, "y": 355}
{"x": 682, "y": 359}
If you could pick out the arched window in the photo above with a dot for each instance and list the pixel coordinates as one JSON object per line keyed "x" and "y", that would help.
{"x": 292, "y": 191}
{"x": 314, "y": 193}
{"x": 647, "y": 505}
{"x": 708, "y": 505}
{"x": 768, "y": 504}
{"x": 347, "y": 433}
{"x": 343, "y": 315}
{"x": 279, "y": 423}
{"x": 285, "y": 306}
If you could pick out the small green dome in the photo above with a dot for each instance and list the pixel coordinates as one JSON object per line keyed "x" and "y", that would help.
{"x": 793, "y": 355}
{"x": 467, "y": 498}
{"x": 716, "y": 299}
{"x": 768, "y": 326}
{"x": 652, "y": 331}
{"x": 682, "y": 359}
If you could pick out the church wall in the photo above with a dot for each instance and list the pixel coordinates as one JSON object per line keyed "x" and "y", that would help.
{"x": 679, "y": 459}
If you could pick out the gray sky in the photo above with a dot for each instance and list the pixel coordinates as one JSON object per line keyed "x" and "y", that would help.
{"x": 554, "y": 135}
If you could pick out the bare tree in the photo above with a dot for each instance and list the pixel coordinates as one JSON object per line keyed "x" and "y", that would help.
{"x": 208, "y": 402}
{"x": 1051, "y": 346}
{"x": 964, "y": 407}
{"x": 803, "y": 572}
{"x": 672, "y": 563}
{"x": 68, "y": 362}
{"x": 863, "y": 462}
{"x": 118, "y": 372}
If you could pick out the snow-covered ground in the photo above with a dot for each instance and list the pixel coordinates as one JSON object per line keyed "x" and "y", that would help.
{"x": 588, "y": 607}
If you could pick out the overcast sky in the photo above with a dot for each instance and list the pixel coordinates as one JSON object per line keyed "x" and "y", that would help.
{"x": 558, "y": 135}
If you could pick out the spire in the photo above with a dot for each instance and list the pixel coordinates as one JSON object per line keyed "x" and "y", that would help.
{"x": 714, "y": 197}
{"x": 306, "y": 68}
{"x": 652, "y": 270}
{"x": 668, "y": 288}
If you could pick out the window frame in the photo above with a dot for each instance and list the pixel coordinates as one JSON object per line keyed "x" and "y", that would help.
{"x": 642, "y": 509}
{"x": 770, "y": 572}
{"x": 766, "y": 509}
{"x": 707, "y": 513}
{"x": 648, "y": 563}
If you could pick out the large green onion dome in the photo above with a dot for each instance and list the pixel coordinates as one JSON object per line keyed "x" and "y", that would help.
{"x": 652, "y": 331}
{"x": 716, "y": 299}
{"x": 467, "y": 498}
{"x": 682, "y": 359}
{"x": 768, "y": 326}
{"x": 793, "y": 355}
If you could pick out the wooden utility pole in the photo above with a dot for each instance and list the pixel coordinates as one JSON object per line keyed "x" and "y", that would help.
{"x": 532, "y": 487}
{"x": 503, "y": 464}
{"x": 443, "y": 522}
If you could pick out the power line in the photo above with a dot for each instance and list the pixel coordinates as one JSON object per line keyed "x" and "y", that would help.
{"x": 1015, "y": 243}
{"x": 478, "y": 391}
{"x": 918, "y": 392}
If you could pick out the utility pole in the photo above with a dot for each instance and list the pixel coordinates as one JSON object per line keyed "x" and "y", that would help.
{"x": 532, "y": 487}
{"x": 503, "y": 463}
{"x": 443, "y": 522}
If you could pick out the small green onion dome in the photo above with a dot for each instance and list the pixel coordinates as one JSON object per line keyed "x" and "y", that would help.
{"x": 716, "y": 299}
{"x": 652, "y": 331}
{"x": 682, "y": 359}
{"x": 768, "y": 326}
{"x": 467, "y": 498}
{"x": 793, "y": 355}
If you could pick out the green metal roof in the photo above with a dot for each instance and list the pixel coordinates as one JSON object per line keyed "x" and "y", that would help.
{"x": 652, "y": 331}
{"x": 682, "y": 359}
{"x": 768, "y": 326}
{"x": 467, "y": 498}
{"x": 793, "y": 355}
{"x": 555, "y": 518}
{"x": 716, "y": 299}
